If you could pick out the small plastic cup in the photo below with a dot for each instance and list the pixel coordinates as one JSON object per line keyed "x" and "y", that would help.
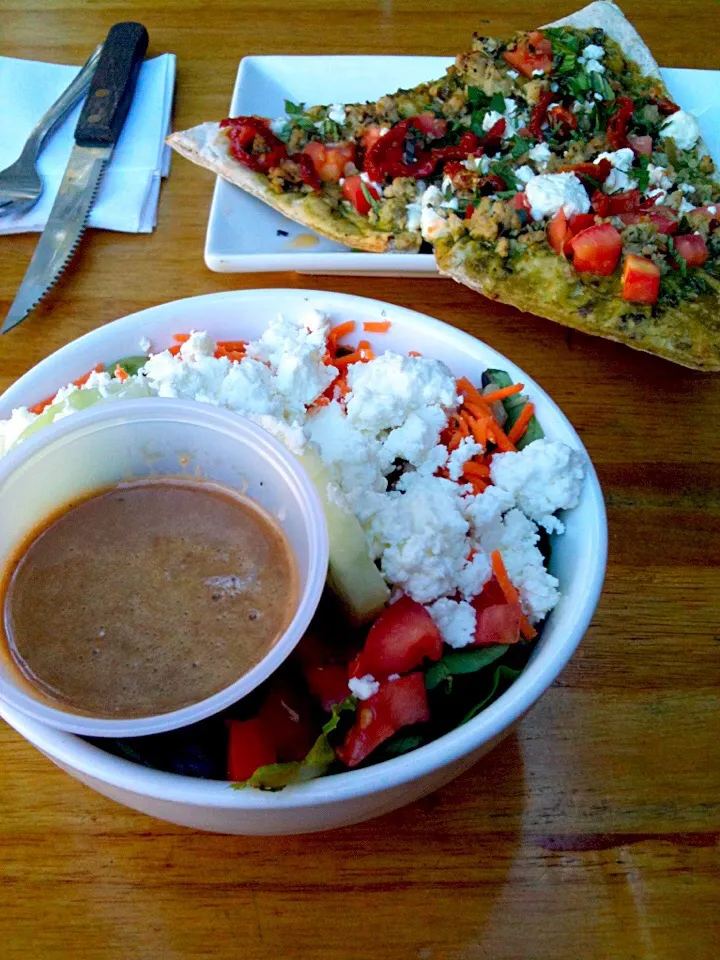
{"x": 137, "y": 439}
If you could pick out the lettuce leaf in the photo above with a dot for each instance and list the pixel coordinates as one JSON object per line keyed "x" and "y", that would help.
{"x": 459, "y": 662}
{"x": 502, "y": 678}
{"x": 275, "y": 776}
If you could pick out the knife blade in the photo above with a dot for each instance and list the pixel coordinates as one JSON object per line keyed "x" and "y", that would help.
{"x": 98, "y": 128}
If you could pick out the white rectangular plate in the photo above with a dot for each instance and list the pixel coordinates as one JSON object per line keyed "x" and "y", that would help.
{"x": 246, "y": 236}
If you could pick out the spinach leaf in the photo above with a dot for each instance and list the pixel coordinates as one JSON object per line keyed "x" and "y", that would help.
{"x": 507, "y": 174}
{"x": 130, "y": 365}
{"x": 502, "y": 678}
{"x": 497, "y": 103}
{"x": 402, "y": 743}
{"x": 520, "y": 146}
{"x": 477, "y": 98}
{"x": 459, "y": 662}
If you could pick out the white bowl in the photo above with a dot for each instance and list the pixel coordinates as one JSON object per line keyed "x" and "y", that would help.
{"x": 578, "y": 560}
{"x": 116, "y": 442}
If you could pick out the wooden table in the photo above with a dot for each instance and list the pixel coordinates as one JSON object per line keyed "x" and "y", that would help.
{"x": 590, "y": 833}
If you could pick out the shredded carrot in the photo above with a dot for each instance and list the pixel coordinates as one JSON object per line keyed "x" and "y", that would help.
{"x": 474, "y": 469}
{"x": 181, "y": 337}
{"x": 521, "y": 424}
{"x": 341, "y": 330}
{"x": 454, "y": 441}
{"x": 376, "y": 326}
{"x": 120, "y": 374}
{"x": 39, "y": 407}
{"x": 342, "y": 363}
{"x": 469, "y": 391}
{"x": 463, "y": 427}
{"x": 478, "y": 410}
{"x": 511, "y": 594}
{"x": 239, "y": 345}
{"x": 414, "y": 353}
{"x": 174, "y": 349}
{"x": 478, "y": 484}
{"x": 322, "y": 401}
{"x": 500, "y": 439}
{"x": 365, "y": 350}
{"x": 503, "y": 392}
{"x": 81, "y": 381}
{"x": 477, "y": 429}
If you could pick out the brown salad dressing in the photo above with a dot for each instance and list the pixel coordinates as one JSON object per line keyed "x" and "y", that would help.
{"x": 146, "y": 598}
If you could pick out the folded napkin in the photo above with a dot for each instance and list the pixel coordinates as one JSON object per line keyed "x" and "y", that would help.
{"x": 130, "y": 189}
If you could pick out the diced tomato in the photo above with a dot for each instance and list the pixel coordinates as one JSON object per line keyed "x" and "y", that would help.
{"x": 539, "y": 114}
{"x": 580, "y": 221}
{"x": 248, "y": 749}
{"x": 430, "y": 125}
{"x": 328, "y": 682}
{"x": 286, "y": 717}
{"x": 597, "y": 249}
{"x": 557, "y": 231}
{"x": 615, "y": 205}
{"x": 490, "y": 596}
{"x": 371, "y": 136}
{"x": 641, "y": 145}
{"x": 562, "y": 229}
{"x": 498, "y": 624}
{"x": 253, "y": 143}
{"x": 562, "y": 117}
{"x": 692, "y": 248}
{"x": 398, "y": 703}
{"x": 352, "y": 190}
{"x": 663, "y": 223}
{"x": 618, "y": 123}
{"x": 469, "y": 211}
{"x": 534, "y": 53}
{"x": 330, "y": 161}
{"x": 640, "y": 279}
{"x": 398, "y": 641}
{"x": 307, "y": 170}
{"x": 712, "y": 211}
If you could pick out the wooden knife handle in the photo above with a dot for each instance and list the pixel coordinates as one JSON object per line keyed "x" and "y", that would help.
{"x": 112, "y": 86}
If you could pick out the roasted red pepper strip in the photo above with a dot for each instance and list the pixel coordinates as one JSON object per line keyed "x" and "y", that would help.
{"x": 539, "y": 114}
{"x": 589, "y": 172}
{"x": 307, "y": 170}
{"x": 618, "y": 123}
{"x": 242, "y": 132}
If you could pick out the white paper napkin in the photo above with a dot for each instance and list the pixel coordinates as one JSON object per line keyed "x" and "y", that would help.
{"x": 130, "y": 189}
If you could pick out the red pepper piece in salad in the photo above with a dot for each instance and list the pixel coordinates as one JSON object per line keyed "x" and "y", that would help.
{"x": 497, "y": 621}
{"x": 286, "y": 718}
{"x": 249, "y": 747}
{"x": 640, "y": 279}
{"x": 307, "y": 170}
{"x": 253, "y": 143}
{"x": 352, "y": 190}
{"x": 397, "y": 155}
{"x": 618, "y": 123}
{"x": 590, "y": 174}
{"x": 398, "y": 703}
{"x": 398, "y": 641}
{"x": 532, "y": 54}
{"x": 539, "y": 115}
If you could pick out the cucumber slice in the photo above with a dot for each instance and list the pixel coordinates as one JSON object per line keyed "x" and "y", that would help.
{"x": 352, "y": 575}
{"x": 513, "y": 406}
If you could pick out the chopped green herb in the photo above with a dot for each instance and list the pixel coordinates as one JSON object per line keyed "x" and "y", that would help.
{"x": 641, "y": 173}
{"x": 477, "y": 97}
{"x": 497, "y": 103}
{"x": 503, "y": 170}
{"x": 520, "y": 146}
{"x": 369, "y": 197}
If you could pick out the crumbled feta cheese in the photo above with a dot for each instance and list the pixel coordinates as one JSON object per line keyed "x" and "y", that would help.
{"x": 540, "y": 155}
{"x": 513, "y": 74}
{"x": 372, "y": 183}
{"x": 598, "y": 96}
{"x": 685, "y": 206}
{"x": 279, "y": 125}
{"x": 432, "y": 224}
{"x": 387, "y": 390}
{"x": 712, "y": 210}
{"x": 686, "y": 187}
{"x": 593, "y": 66}
{"x": 291, "y": 435}
{"x": 545, "y": 476}
{"x": 658, "y": 196}
{"x": 413, "y": 216}
{"x": 363, "y": 687}
{"x": 683, "y": 128}
{"x": 516, "y": 538}
{"x": 620, "y": 159}
{"x": 538, "y": 73}
{"x": 618, "y": 181}
{"x": 525, "y": 174}
{"x": 658, "y": 177}
{"x": 11, "y": 429}
{"x": 416, "y": 439}
{"x": 466, "y": 450}
{"x": 484, "y": 511}
{"x": 455, "y": 620}
{"x": 336, "y": 112}
{"x": 419, "y": 533}
{"x": 593, "y": 51}
{"x": 550, "y": 192}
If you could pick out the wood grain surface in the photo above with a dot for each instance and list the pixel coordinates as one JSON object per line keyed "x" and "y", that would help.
{"x": 593, "y": 831}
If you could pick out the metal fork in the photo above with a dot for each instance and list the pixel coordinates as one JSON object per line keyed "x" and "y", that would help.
{"x": 20, "y": 183}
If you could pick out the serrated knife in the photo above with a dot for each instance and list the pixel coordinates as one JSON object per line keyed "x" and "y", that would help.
{"x": 101, "y": 120}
